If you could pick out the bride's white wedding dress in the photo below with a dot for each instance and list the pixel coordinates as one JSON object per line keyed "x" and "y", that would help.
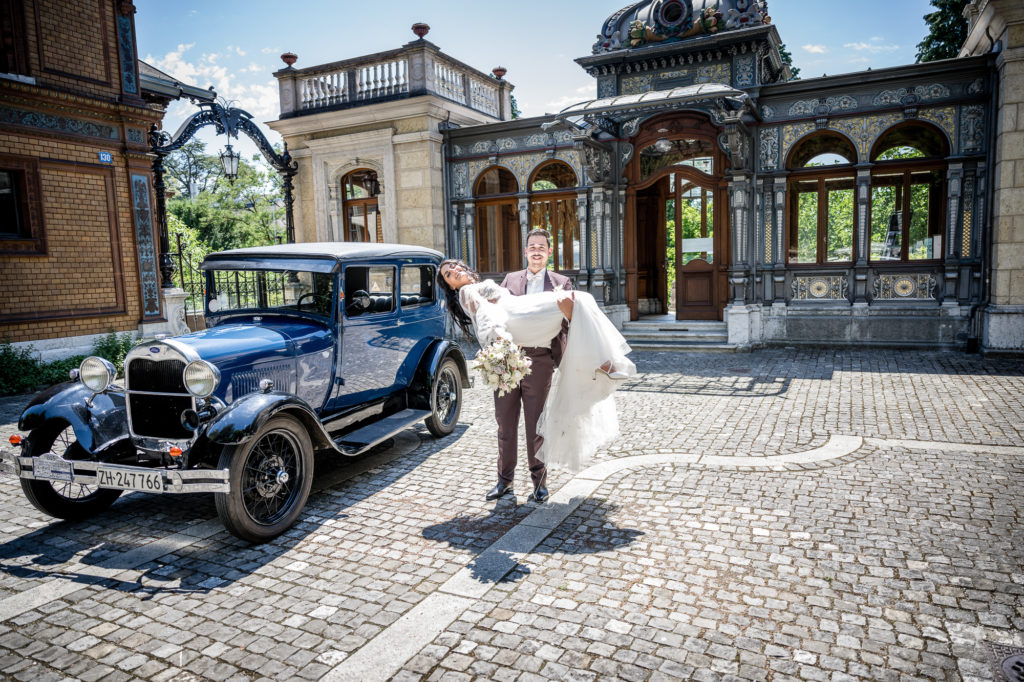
{"x": 579, "y": 414}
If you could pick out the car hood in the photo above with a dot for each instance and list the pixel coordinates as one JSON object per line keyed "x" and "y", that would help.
{"x": 245, "y": 344}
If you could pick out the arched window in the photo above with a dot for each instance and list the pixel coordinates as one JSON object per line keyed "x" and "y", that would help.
{"x": 907, "y": 194}
{"x": 359, "y": 207}
{"x": 821, "y": 200}
{"x": 553, "y": 208}
{"x": 498, "y": 243}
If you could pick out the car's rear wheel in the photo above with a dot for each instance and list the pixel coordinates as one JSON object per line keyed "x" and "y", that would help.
{"x": 270, "y": 477}
{"x": 445, "y": 399}
{"x": 64, "y": 500}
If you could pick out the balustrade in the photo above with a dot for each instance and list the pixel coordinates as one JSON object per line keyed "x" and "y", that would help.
{"x": 389, "y": 74}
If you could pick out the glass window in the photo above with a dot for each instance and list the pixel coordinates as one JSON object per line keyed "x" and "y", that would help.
{"x": 369, "y": 290}
{"x": 555, "y": 175}
{"x": 272, "y": 290}
{"x": 663, "y": 153}
{"x": 360, "y": 208}
{"x": 906, "y": 215}
{"x": 12, "y": 226}
{"x": 417, "y": 285}
{"x": 496, "y": 180}
{"x": 821, "y": 220}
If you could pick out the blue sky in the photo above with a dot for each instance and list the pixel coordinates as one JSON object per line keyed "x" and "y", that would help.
{"x": 235, "y": 46}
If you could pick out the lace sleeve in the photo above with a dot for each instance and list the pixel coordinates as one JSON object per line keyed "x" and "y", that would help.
{"x": 480, "y": 303}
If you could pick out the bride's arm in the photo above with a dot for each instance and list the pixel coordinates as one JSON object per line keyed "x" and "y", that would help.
{"x": 486, "y": 318}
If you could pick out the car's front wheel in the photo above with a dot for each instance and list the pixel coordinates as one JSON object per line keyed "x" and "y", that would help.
{"x": 64, "y": 500}
{"x": 445, "y": 399}
{"x": 270, "y": 477}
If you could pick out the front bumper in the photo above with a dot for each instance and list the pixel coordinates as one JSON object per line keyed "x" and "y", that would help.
{"x": 55, "y": 469}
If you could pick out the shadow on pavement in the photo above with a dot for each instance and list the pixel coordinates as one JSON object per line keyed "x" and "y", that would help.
{"x": 586, "y": 530}
{"x": 204, "y": 564}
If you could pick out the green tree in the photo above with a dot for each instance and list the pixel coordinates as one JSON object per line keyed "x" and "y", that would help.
{"x": 787, "y": 58}
{"x": 947, "y": 31}
{"x": 515, "y": 107}
{"x": 191, "y": 168}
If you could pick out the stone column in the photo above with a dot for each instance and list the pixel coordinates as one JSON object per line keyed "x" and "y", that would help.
{"x": 863, "y": 229}
{"x": 524, "y": 222}
{"x": 470, "y": 237}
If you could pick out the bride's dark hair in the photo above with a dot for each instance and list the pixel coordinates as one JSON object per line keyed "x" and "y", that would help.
{"x": 464, "y": 321}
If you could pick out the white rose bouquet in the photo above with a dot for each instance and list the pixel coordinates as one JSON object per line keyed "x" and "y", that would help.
{"x": 502, "y": 365}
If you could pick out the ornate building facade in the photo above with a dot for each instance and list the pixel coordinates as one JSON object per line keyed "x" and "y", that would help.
{"x": 704, "y": 183}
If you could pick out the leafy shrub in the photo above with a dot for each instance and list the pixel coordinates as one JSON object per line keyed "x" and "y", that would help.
{"x": 20, "y": 371}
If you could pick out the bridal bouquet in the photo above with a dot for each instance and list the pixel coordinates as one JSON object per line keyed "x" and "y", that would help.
{"x": 502, "y": 365}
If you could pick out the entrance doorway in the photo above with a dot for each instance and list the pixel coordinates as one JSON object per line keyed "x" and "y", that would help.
{"x": 679, "y": 223}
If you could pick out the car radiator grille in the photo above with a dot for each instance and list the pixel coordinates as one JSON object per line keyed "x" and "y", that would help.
{"x": 157, "y": 416}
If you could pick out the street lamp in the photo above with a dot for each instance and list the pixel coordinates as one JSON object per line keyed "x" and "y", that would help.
{"x": 229, "y": 161}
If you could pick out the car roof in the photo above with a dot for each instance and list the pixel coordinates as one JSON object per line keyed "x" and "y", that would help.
{"x": 290, "y": 255}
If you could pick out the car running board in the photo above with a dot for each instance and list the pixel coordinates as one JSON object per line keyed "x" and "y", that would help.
{"x": 363, "y": 439}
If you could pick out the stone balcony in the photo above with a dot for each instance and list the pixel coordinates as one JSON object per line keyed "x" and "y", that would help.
{"x": 417, "y": 68}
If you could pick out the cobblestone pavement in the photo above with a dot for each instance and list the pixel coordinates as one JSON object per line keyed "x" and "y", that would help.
{"x": 901, "y": 559}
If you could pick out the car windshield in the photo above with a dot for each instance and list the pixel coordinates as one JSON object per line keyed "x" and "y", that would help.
{"x": 272, "y": 290}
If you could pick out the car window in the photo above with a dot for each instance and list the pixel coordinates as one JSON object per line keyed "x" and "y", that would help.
{"x": 274, "y": 290}
{"x": 417, "y": 285}
{"x": 369, "y": 290}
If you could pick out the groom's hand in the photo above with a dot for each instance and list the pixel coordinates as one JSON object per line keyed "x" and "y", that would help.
{"x": 566, "y": 304}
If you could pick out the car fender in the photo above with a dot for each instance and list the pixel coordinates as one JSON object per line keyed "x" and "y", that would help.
{"x": 99, "y": 420}
{"x": 243, "y": 418}
{"x": 436, "y": 353}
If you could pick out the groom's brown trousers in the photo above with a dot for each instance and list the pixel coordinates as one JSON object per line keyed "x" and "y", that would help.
{"x": 531, "y": 393}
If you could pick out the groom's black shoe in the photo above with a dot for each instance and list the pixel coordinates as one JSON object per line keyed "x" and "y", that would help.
{"x": 499, "y": 490}
{"x": 540, "y": 493}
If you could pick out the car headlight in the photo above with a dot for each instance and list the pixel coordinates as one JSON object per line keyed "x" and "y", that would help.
{"x": 201, "y": 378}
{"x": 96, "y": 373}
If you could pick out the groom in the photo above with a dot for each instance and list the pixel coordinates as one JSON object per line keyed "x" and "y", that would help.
{"x": 533, "y": 390}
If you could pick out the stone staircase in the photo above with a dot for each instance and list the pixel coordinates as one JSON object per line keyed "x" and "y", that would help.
{"x": 665, "y": 333}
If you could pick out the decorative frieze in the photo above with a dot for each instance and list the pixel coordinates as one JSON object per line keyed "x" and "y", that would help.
{"x": 714, "y": 73}
{"x": 822, "y": 107}
{"x": 904, "y": 287}
{"x": 767, "y": 112}
{"x": 820, "y": 288}
{"x": 922, "y": 93}
{"x": 464, "y": 173}
{"x": 515, "y": 143}
{"x": 36, "y": 119}
{"x": 864, "y": 131}
{"x": 136, "y": 135}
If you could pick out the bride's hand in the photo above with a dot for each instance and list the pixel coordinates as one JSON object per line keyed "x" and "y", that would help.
{"x": 566, "y": 304}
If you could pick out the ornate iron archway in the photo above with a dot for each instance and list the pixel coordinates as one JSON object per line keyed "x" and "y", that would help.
{"x": 227, "y": 121}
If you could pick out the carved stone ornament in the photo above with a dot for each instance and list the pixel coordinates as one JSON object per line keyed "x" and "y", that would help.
{"x": 972, "y": 124}
{"x": 125, "y": 8}
{"x": 921, "y": 92}
{"x": 598, "y": 164}
{"x": 769, "y": 151}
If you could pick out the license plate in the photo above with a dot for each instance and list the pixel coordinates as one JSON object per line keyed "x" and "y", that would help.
{"x": 123, "y": 479}
{"x": 51, "y": 467}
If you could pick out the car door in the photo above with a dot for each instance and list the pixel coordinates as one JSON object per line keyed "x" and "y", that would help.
{"x": 371, "y": 352}
{"x": 421, "y": 319}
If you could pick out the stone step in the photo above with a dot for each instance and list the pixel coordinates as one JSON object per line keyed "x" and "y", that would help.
{"x": 677, "y": 347}
{"x": 696, "y": 336}
{"x": 663, "y": 333}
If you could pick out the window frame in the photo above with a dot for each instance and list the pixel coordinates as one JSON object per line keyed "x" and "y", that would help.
{"x": 907, "y": 168}
{"x": 429, "y": 279}
{"x": 820, "y": 176}
{"x": 562, "y": 242}
{"x": 363, "y": 202}
{"x": 31, "y": 236}
{"x": 508, "y": 242}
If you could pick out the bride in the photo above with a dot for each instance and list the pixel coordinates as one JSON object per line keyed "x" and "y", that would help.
{"x": 579, "y": 414}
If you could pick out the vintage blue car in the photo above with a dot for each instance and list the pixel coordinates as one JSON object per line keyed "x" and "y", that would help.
{"x": 308, "y": 347}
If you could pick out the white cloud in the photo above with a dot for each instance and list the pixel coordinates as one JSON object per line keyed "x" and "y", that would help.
{"x": 874, "y": 46}
{"x": 815, "y": 49}
{"x": 580, "y": 94}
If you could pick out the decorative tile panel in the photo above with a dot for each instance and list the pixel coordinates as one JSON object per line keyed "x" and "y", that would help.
{"x": 769, "y": 149}
{"x": 745, "y": 70}
{"x": 921, "y": 92}
{"x": 148, "y": 271}
{"x": 634, "y": 85}
{"x": 972, "y": 125}
{"x": 790, "y": 134}
{"x": 35, "y": 119}
{"x": 820, "y": 288}
{"x": 945, "y": 118}
{"x": 606, "y": 86}
{"x": 136, "y": 135}
{"x": 864, "y": 131}
{"x": 126, "y": 50}
{"x": 910, "y": 287}
{"x": 968, "y": 225}
{"x": 714, "y": 73}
